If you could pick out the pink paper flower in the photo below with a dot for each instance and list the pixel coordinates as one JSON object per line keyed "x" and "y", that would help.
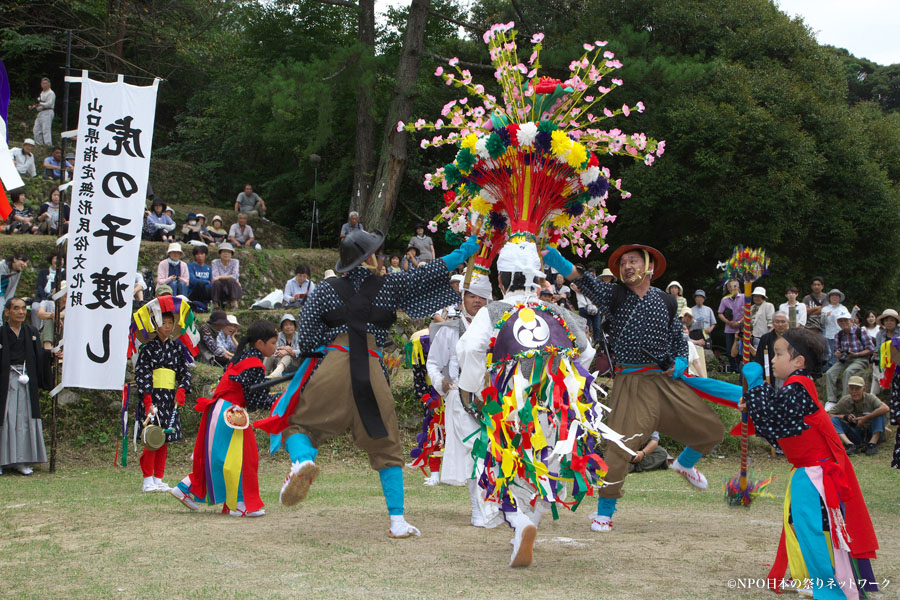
{"x": 617, "y": 81}
{"x": 625, "y": 110}
{"x": 588, "y": 47}
{"x": 660, "y": 148}
{"x": 640, "y": 107}
{"x": 399, "y": 126}
{"x": 532, "y": 58}
{"x": 537, "y": 38}
{"x": 438, "y": 71}
{"x": 432, "y": 226}
{"x": 453, "y": 61}
{"x": 608, "y": 54}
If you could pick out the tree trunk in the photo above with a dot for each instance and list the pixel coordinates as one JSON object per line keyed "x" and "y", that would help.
{"x": 121, "y": 21}
{"x": 363, "y": 172}
{"x": 392, "y": 163}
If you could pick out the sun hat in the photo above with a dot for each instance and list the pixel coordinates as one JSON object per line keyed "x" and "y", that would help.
{"x": 857, "y": 381}
{"x": 759, "y": 291}
{"x": 226, "y": 246}
{"x": 199, "y": 216}
{"x": 659, "y": 261}
{"x": 218, "y": 318}
{"x": 888, "y": 312}
{"x": 174, "y": 247}
{"x": 329, "y": 274}
{"x": 699, "y": 293}
{"x": 676, "y": 284}
{"x": 287, "y": 317}
{"x": 836, "y": 291}
{"x": 216, "y": 218}
{"x": 356, "y": 248}
{"x": 685, "y": 312}
{"x": 607, "y": 273}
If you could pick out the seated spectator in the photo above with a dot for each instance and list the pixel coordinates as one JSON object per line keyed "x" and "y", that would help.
{"x": 852, "y": 348}
{"x": 216, "y": 231}
{"x": 287, "y": 349}
{"x": 49, "y": 215}
{"x": 410, "y": 259}
{"x": 159, "y": 225}
{"x": 394, "y": 264}
{"x": 200, "y": 280}
{"x": 173, "y": 272}
{"x": 249, "y": 203}
{"x": 21, "y": 219}
{"x": 191, "y": 230}
{"x": 241, "y": 235}
{"x": 44, "y": 315}
{"x": 226, "y": 275}
{"x": 46, "y": 279}
{"x": 352, "y": 224}
{"x": 859, "y": 418}
{"x": 677, "y": 291}
{"x": 226, "y": 340}
{"x": 23, "y": 158}
{"x": 650, "y": 457}
{"x": 53, "y": 162}
{"x": 795, "y": 310}
{"x": 205, "y": 237}
{"x": 561, "y": 292}
{"x": 137, "y": 295}
{"x": 298, "y": 288}
{"x": 210, "y": 352}
{"x": 10, "y": 273}
{"x": 423, "y": 244}
{"x": 766, "y": 347}
{"x": 761, "y": 313}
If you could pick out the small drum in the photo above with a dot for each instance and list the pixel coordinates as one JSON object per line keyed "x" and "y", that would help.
{"x": 153, "y": 436}
{"x": 237, "y": 418}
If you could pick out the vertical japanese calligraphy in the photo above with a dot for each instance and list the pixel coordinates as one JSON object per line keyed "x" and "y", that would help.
{"x": 112, "y": 163}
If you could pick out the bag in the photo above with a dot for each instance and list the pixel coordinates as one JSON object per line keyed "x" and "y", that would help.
{"x": 153, "y": 436}
{"x": 591, "y": 310}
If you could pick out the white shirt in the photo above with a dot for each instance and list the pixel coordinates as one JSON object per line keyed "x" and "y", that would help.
{"x": 828, "y": 320}
{"x": 801, "y": 312}
{"x": 24, "y": 162}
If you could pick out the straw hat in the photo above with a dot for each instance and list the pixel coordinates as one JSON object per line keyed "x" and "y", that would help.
{"x": 174, "y": 247}
{"x": 888, "y": 312}
{"x": 659, "y": 261}
{"x": 607, "y": 273}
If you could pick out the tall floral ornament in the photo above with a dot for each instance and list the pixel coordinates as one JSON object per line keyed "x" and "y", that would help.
{"x": 530, "y": 165}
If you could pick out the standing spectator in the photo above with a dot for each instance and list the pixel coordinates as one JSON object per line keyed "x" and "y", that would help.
{"x": 704, "y": 318}
{"x": 814, "y": 302}
{"x": 44, "y": 106}
{"x": 868, "y": 320}
{"x": 226, "y": 275}
{"x": 26, "y": 366}
{"x": 888, "y": 321}
{"x": 241, "y": 235}
{"x": 731, "y": 311}
{"x": 216, "y": 231}
{"x": 411, "y": 258}
{"x": 287, "y": 348}
{"x": 21, "y": 219}
{"x": 191, "y": 230}
{"x": 423, "y": 244}
{"x": 210, "y": 352}
{"x": 588, "y": 311}
{"x": 607, "y": 276}
{"x": 173, "y": 272}
{"x": 677, "y": 291}
{"x": 696, "y": 348}
{"x": 159, "y": 225}
{"x": 761, "y": 314}
{"x": 852, "y": 348}
{"x": 249, "y": 203}
{"x": 10, "y": 273}
{"x": 23, "y": 158}
{"x": 49, "y": 214}
{"x": 394, "y": 264}
{"x": 200, "y": 280}
{"x": 298, "y": 288}
{"x": 796, "y": 311}
{"x": 859, "y": 418}
{"x": 829, "y": 321}
{"x": 766, "y": 346}
{"x": 53, "y": 162}
{"x": 561, "y": 292}
{"x": 205, "y": 237}
{"x": 352, "y": 224}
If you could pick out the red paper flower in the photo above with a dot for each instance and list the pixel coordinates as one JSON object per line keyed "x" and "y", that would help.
{"x": 513, "y": 129}
{"x": 449, "y": 197}
{"x": 547, "y": 85}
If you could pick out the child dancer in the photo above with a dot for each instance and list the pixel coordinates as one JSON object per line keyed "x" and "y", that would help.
{"x": 163, "y": 378}
{"x": 827, "y": 540}
{"x": 226, "y": 462}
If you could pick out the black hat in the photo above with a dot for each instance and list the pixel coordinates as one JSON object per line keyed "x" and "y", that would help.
{"x": 357, "y": 247}
{"x": 158, "y": 201}
{"x": 218, "y": 318}
{"x": 408, "y": 248}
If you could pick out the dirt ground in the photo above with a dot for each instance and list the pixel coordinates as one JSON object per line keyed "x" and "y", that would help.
{"x": 89, "y": 533}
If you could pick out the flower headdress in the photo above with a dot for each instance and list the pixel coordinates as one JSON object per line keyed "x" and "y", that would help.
{"x": 529, "y": 166}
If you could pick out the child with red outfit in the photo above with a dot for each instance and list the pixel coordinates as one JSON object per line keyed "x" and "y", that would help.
{"x": 163, "y": 379}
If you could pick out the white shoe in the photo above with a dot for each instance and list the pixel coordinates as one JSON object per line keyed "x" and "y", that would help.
{"x": 240, "y": 512}
{"x": 523, "y": 546}
{"x": 599, "y": 523}
{"x": 297, "y": 483}
{"x": 183, "y": 498}
{"x": 693, "y": 475}
{"x": 23, "y": 469}
{"x": 161, "y": 486}
{"x": 433, "y": 479}
{"x": 149, "y": 485}
{"x": 276, "y": 372}
{"x": 401, "y": 529}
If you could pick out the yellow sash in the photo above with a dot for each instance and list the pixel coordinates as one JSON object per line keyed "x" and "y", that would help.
{"x": 163, "y": 379}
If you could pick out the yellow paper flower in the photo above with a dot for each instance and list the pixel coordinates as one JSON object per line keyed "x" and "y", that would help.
{"x": 577, "y": 155}
{"x": 562, "y": 220}
{"x": 480, "y": 205}
{"x": 560, "y": 144}
{"x": 469, "y": 142}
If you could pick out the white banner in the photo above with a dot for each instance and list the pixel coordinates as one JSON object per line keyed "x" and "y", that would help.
{"x": 112, "y": 165}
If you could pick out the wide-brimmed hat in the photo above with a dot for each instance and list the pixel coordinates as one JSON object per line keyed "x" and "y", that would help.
{"x": 329, "y": 274}
{"x": 158, "y": 202}
{"x": 232, "y": 320}
{"x": 217, "y": 218}
{"x": 659, "y": 261}
{"x": 226, "y": 246}
{"x": 174, "y": 247}
{"x": 836, "y": 291}
{"x": 287, "y": 317}
{"x": 190, "y": 217}
{"x": 607, "y": 273}
{"x": 218, "y": 318}
{"x": 888, "y": 312}
{"x": 685, "y": 312}
{"x": 169, "y": 209}
{"x": 408, "y": 248}
{"x": 699, "y": 293}
{"x": 199, "y": 216}
{"x": 356, "y": 248}
{"x": 759, "y": 291}
{"x": 676, "y": 284}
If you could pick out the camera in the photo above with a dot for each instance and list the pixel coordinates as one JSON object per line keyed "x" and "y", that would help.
{"x": 843, "y": 357}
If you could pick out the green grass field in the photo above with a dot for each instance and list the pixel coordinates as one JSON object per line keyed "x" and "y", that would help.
{"x": 88, "y": 532}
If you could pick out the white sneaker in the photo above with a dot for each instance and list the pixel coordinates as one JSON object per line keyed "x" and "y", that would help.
{"x": 523, "y": 546}
{"x": 297, "y": 483}
{"x": 240, "y": 512}
{"x": 149, "y": 485}
{"x": 183, "y": 498}
{"x": 693, "y": 475}
{"x": 276, "y": 372}
{"x": 401, "y": 529}
{"x": 433, "y": 479}
{"x": 161, "y": 486}
{"x": 599, "y": 523}
{"x": 23, "y": 469}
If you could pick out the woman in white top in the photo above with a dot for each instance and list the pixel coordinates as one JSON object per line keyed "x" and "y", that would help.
{"x": 761, "y": 314}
